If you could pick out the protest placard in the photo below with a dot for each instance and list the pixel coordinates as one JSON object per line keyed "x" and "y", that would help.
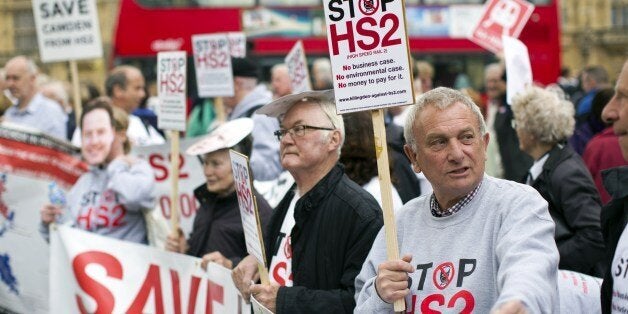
{"x": 190, "y": 176}
{"x": 171, "y": 86}
{"x": 518, "y": 69}
{"x": 501, "y": 17}
{"x": 297, "y": 69}
{"x": 67, "y": 29}
{"x": 368, "y": 49}
{"x": 212, "y": 63}
{"x": 237, "y": 44}
{"x": 248, "y": 211}
{"x": 95, "y": 274}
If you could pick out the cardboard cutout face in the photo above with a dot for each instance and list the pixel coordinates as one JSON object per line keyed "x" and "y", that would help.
{"x": 97, "y": 137}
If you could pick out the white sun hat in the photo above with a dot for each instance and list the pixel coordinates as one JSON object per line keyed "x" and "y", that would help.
{"x": 280, "y": 106}
{"x": 224, "y": 136}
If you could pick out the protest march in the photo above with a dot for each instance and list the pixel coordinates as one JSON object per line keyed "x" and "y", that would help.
{"x": 310, "y": 159}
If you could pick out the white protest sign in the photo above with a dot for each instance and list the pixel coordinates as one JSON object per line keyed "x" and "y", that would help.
{"x": 237, "y": 44}
{"x": 67, "y": 29}
{"x": 501, "y": 18}
{"x": 190, "y": 177}
{"x": 212, "y": 62}
{"x": 171, "y": 87}
{"x": 297, "y": 69}
{"x": 369, "y": 54}
{"x": 248, "y": 206}
{"x": 518, "y": 69}
{"x": 96, "y": 274}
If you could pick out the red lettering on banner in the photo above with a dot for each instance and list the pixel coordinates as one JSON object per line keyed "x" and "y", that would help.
{"x": 215, "y": 292}
{"x": 194, "y": 283}
{"x": 105, "y": 301}
{"x": 188, "y": 205}
{"x": 176, "y": 293}
{"x": 162, "y": 171}
{"x": 152, "y": 282}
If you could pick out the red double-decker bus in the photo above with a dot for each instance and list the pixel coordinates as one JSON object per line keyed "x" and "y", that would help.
{"x": 437, "y": 31}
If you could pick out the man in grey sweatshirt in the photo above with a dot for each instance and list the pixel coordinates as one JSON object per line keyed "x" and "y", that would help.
{"x": 477, "y": 244}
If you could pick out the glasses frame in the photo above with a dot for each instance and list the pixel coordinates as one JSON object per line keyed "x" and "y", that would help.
{"x": 295, "y": 130}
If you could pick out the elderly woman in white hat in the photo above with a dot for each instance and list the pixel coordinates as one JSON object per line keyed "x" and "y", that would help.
{"x": 217, "y": 235}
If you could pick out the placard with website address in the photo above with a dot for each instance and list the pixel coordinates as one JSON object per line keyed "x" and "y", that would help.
{"x": 368, "y": 49}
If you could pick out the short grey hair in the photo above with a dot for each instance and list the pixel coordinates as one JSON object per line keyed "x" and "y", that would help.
{"x": 543, "y": 114}
{"x": 329, "y": 109}
{"x": 441, "y": 98}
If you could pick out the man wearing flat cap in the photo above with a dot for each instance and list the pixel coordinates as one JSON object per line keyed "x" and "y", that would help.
{"x": 249, "y": 96}
{"x": 322, "y": 230}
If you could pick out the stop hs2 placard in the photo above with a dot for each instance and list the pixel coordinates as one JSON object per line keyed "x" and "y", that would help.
{"x": 368, "y": 48}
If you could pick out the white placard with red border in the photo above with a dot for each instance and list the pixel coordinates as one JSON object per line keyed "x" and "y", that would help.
{"x": 368, "y": 49}
{"x": 212, "y": 62}
{"x": 237, "y": 44}
{"x": 67, "y": 30}
{"x": 96, "y": 274}
{"x": 297, "y": 69}
{"x": 501, "y": 18}
{"x": 171, "y": 88}
{"x": 248, "y": 206}
{"x": 518, "y": 69}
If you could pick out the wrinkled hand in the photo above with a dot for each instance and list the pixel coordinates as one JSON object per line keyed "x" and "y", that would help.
{"x": 266, "y": 295}
{"x": 511, "y": 307}
{"x": 49, "y": 213}
{"x": 175, "y": 242}
{"x": 391, "y": 283}
{"x": 244, "y": 274}
{"x": 218, "y": 258}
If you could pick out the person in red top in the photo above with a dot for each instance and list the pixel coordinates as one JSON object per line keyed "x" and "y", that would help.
{"x": 603, "y": 152}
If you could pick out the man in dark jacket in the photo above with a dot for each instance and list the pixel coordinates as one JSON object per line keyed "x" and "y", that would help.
{"x": 322, "y": 230}
{"x": 615, "y": 213}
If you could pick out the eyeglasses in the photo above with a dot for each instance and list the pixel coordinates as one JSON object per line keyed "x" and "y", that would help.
{"x": 297, "y": 131}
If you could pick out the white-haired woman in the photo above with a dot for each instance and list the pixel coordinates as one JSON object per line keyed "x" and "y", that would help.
{"x": 544, "y": 121}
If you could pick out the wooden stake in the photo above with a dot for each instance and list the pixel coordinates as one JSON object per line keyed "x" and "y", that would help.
{"x": 76, "y": 91}
{"x": 219, "y": 107}
{"x": 174, "y": 171}
{"x": 383, "y": 170}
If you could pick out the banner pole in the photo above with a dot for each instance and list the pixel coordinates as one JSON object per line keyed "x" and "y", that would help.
{"x": 383, "y": 170}
{"x": 219, "y": 107}
{"x": 174, "y": 170}
{"x": 76, "y": 91}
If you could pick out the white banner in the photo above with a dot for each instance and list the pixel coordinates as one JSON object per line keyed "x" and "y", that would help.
{"x": 171, "y": 87}
{"x": 104, "y": 275}
{"x": 518, "y": 69}
{"x": 212, "y": 62}
{"x": 297, "y": 69}
{"x": 67, "y": 30}
{"x": 368, "y": 49}
{"x": 190, "y": 177}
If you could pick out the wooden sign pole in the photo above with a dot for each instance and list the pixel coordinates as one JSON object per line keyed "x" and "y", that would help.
{"x": 219, "y": 107}
{"x": 76, "y": 91}
{"x": 174, "y": 171}
{"x": 383, "y": 170}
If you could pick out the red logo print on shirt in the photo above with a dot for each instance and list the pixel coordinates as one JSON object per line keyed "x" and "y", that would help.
{"x": 443, "y": 275}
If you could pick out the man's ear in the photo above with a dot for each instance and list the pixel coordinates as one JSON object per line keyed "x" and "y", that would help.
{"x": 334, "y": 139}
{"x": 412, "y": 156}
{"x": 117, "y": 90}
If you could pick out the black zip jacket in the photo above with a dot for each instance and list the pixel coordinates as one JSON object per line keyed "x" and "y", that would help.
{"x": 335, "y": 225}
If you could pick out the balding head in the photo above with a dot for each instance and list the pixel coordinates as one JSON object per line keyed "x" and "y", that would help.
{"x": 21, "y": 75}
{"x": 125, "y": 86}
{"x": 280, "y": 80}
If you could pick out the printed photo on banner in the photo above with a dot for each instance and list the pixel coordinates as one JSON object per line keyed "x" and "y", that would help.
{"x": 237, "y": 44}
{"x": 501, "y": 18}
{"x": 368, "y": 48}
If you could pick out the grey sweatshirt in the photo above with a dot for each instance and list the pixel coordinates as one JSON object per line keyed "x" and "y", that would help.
{"x": 111, "y": 201}
{"x": 497, "y": 248}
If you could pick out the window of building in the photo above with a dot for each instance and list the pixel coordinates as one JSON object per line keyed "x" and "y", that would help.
{"x": 25, "y": 32}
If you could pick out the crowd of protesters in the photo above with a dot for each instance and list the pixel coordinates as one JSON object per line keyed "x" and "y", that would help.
{"x": 505, "y": 195}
